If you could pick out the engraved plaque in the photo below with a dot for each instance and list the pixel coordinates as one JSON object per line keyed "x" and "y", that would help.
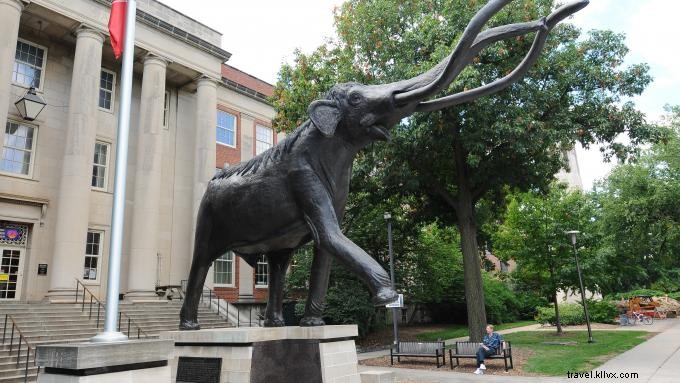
{"x": 198, "y": 370}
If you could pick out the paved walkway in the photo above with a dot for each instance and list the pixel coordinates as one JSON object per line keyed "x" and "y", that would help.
{"x": 656, "y": 360}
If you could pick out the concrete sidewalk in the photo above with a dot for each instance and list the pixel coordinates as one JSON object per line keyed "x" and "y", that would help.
{"x": 655, "y": 360}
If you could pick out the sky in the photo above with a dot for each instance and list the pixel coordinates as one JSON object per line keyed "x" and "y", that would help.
{"x": 261, "y": 34}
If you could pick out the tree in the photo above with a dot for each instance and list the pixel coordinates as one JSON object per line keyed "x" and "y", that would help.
{"x": 640, "y": 217}
{"x": 445, "y": 163}
{"x": 533, "y": 234}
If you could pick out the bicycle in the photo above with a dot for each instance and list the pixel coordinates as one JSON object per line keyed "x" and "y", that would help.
{"x": 638, "y": 317}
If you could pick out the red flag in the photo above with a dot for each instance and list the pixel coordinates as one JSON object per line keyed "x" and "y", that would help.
{"x": 117, "y": 26}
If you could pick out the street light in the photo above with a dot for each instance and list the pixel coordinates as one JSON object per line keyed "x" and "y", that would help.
{"x": 395, "y": 310}
{"x": 30, "y": 105}
{"x": 572, "y": 235}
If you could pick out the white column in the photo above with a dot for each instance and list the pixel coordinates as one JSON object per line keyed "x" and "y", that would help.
{"x": 144, "y": 242}
{"x": 246, "y": 283}
{"x": 73, "y": 203}
{"x": 206, "y": 141}
{"x": 10, "y": 15}
{"x": 247, "y": 137}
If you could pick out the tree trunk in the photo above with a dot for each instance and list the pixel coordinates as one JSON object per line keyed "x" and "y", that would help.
{"x": 474, "y": 290}
{"x": 467, "y": 225}
{"x": 558, "y": 324}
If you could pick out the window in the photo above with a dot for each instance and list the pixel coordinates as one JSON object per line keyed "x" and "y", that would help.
{"x": 17, "y": 151}
{"x": 166, "y": 110}
{"x": 107, "y": 80}
{"x": 92, "y": 253}
{"x": 29, "y": 64}
{"x": 226, "y": 128}
{"x": 264, "y": 138}
{"x": 224, "y": 270}
{"x": 262, "y": 272}
{"x": 100, "y": 164}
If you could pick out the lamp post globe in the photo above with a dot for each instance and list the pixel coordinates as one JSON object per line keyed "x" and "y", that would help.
{"x": 30, "y": 105}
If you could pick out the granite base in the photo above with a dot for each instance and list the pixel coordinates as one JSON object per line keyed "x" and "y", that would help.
{"x": 325, "y": 354}
{"x": 136, "y": 361}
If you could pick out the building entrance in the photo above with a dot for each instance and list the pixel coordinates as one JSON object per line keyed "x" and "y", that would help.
{"x": 10, "y": 274}
{"x": 13, "y": 239}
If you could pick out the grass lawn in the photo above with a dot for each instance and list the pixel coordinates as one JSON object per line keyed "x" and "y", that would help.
{"x": 556, "y": 359}
{"x": 459, "y": 330}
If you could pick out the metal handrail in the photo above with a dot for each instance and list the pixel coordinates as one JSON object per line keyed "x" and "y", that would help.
{"x": 100, "y": 305}
{"x": 213, "y": 295}
{"x": 23, "y": 338}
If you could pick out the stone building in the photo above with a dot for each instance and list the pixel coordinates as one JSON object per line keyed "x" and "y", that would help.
{"x": 191, "y": 114}
{"x": 572, "y": 176}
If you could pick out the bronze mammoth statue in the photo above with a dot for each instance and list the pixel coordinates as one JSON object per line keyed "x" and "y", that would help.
{"x": 296, "y": 191}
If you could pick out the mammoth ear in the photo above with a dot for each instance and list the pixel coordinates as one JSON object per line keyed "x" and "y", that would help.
{"x": 325, "y": 114}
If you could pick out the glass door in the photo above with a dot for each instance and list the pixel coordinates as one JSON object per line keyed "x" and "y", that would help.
{"x": 10, "y": 273}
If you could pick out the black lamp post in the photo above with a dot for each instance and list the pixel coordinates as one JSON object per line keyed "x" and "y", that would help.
{"x": 30, "y": 105}
{"x": 395, "y": 310}
{"x": 572, "y": 235}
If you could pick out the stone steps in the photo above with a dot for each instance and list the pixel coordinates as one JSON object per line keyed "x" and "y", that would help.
{"x": 49, "y": 323}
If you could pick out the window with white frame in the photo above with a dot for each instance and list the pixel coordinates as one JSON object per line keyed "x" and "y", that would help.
{"x": 107, "y": 80}
{"x": 224, "y": 270}
{"x": 92, "y": 254}
{"x": 262, "y": 272}
{"x": 264, "y": 138}
{"x": 17, "y": 150}
{"x": 226, "y": 128}
{"x": 29, "y": 64}
{"x": 100, "y": 164}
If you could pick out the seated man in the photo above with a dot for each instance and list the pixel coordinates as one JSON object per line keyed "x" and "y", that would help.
{"x": 491, "y": 343}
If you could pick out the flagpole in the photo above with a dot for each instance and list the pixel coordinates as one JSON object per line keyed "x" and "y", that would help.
{"x": 110, "y": 333}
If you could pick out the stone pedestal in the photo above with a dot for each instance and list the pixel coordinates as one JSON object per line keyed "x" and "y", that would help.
{"x": 377, "y": 377}
{"x": 271, "y": 355}
{"x": 137, "y": 361}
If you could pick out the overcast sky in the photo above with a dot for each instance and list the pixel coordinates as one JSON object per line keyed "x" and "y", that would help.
{"x": 260, "y": 34}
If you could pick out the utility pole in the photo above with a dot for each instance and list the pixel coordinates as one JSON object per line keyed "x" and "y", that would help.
{"x": 572, "y": 234}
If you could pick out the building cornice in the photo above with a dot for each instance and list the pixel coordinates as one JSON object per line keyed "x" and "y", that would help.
{"x": 236, "y": 87}
{"x": 177, "y": 33}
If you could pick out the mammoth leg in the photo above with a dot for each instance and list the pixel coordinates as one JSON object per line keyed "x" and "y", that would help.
{"x": 320, "y": 215}
{"x": 203, "y": 257}
{"x": 318, "y": 285}
{"x": 278, "y": 264}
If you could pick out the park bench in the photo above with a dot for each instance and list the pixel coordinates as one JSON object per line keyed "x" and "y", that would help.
{"x": 433, "y": 349}
{"x": 469, "y": 350}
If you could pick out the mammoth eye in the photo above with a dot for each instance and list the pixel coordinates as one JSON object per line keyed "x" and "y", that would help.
{"x": 355, "y": 99}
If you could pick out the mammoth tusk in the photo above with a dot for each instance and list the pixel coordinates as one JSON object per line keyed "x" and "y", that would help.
{"x": 492, "y": 35}
{"x": 456, "y": 61}
{"x": 494, "y": 86}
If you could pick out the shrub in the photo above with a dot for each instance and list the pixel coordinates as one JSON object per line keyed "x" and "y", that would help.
{"x": 602, "y": 311}
{"x": 502, "y": 305}
{"x": 528, "y": 304}
{"x": 570, "y": 314}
